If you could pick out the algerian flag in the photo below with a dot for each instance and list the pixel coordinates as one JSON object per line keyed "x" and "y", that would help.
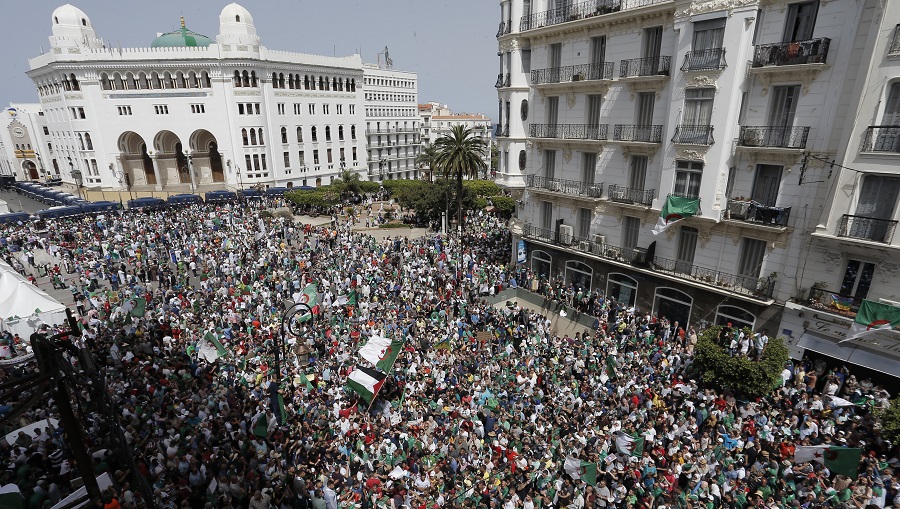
{"x": 840, "y": 460}
{"x": 345, "y": 300}
{"x": 366, "y": 382}
{"x": 874, "y": 316}
{"x": 836, "y": 401}
{"x": 215, "y": 341}
{"x": 582, "y": 470}
{"x": 309, "y": 295}
{"x": 389, "y": 357}
{"x": 627, "y": 444}
{"x": 262, "y": 426}
{"x": 10, "y": 497}
{"x": 305, "y": 381}
{"x": 138, "y": 307}
{"x": 375, "y": 349}
{"x": 675, "y": 209}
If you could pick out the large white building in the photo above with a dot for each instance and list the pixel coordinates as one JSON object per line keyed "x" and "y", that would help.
{"x": 392, "y": 122}
{"x": 25, "y": 148}
{"x": 438, "y": 120}
{"x": 195, "y": 112}
{"x": 610, "y": 107}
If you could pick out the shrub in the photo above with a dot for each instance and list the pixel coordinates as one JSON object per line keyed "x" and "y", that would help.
{"x": 753, "y": 378}
{"x": 505, "y": 205}
{"x": 482, "y": 188}
{"x": 890, "y": 421}
{"x": 369, "y": 187}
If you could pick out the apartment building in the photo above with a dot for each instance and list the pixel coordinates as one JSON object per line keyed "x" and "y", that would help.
{"x": 438, "y": 120}
{"x": 392, "y": 122}
{"x": 610, "y": 108}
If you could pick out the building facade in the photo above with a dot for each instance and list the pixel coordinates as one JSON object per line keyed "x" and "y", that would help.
{"x": 392, "y": 123}
{"x": 854, "y": 250}
{"x": 438, "y": 120}
{"x": 611, "y": 110}
{"x": 191, "y": 112}
{"x": 26, "y": 151}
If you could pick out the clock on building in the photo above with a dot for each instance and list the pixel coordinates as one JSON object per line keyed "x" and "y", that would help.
{"x": 18, "y": 132}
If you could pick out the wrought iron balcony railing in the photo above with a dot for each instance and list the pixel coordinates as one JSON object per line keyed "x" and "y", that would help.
{"x": 867, "y": 228}
{"x": 833, "y": 302}
{"x": 653, "y": 66}
{"x": 637, "y": 133}
{"x": 754, "y": 212}
{"x": 772, "y": 136}
{"x": 570, "y": 73}
{"x": 505, "y": 28}
{"x": 622, "y": 194}
{"x": 882, "y": 138}
{"x": 813, "y": 51}
{"x": 693, "y": 135}
{"x": 579, "y": 11}
{"x": 570, "y": 131}
{"x": 393, "y": 130}
{"x": 704, "y": 60}
{"x": 760, "y": 288}
{"x": 575, "y": 187}
{"x": 894, "y": 46}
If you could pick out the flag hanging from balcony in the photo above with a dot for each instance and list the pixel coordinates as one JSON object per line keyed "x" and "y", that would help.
{"x": 874, "y": 316}
{"x": 675, "y": 209}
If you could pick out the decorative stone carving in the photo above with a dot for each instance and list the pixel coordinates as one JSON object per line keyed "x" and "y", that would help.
{"x": 644, "y": 149}
{"x": 647, "y": 84}
{"x": 832, "y": 260}
{"x": 702, "y": 80}
{"x": 756, "y": 156}
{"x": 567, "y": 154}
{"x": 704, "y": 234}
{"x": 571, "y": 98}
{"x": 712, "y": 6}
{"x": 690, "y": 154}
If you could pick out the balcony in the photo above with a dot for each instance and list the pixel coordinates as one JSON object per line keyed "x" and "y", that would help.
{"x": 757, "y": 213}
{"x": 505, "y": 28}
{"x": 584, "y": 132}
{"x": 813, "y": 51}
{"x": 882, "y": 138}
{"x": 833, "y": 302}
{"x": 505, "y": 132}
{"x": 498, "y": 131}
{"x": 569, "y": 187}
{"x": 644, "y": 67}
{"x": 503, "y": 80}
{"x": 572, "y": 73}
{"x": 579, "y": 11}
{"x": 894, "y": 46}
{"x": 392, "y": 130}
{"x": 773, "y": 137}
{"x": 693, "y": 135}
{"x": 867, "y": 228}
{"x": 704, "y": 60}
{"x": 754, "y": 287}
{"x": 637, "y": 133}
{"x": 627, "y": 195}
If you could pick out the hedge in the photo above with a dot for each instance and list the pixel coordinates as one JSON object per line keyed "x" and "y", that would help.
{"x": 714, "y": 365}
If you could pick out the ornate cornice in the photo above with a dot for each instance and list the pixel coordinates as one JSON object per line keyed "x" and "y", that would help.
{"x": 693, "y": 8}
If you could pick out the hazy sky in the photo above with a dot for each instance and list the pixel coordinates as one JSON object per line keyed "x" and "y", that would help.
{"x": 450, "y": 43}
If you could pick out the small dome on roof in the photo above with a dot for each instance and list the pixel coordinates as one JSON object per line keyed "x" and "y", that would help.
{"x": 235, "y": 13}
{"x": 69, "y": 15}
{"x": 181, "y": 38}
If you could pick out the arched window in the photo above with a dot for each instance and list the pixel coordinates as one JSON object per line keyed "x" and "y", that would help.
{"x": 579, "y": 274}
{"x": 347, "y": 84}
{"x": 207, "y": 83}
{"x": 245, "y": 79}
{"x": 74, "y": 82}
{"x": 237, "y": 18}
{"x": 237, "y": 78}
{"x": 541, "y": 264}
{"x": 281, "y": 80}
{"x": 736, "y": 316}
{"x": 284, "y": 135}
{"x": 261, "y": 141}
{"x": 314, "y": 133}
{"x": 244, "y": 137}
{"x": 306, "y": 82}
{"x": 341, "y": 133}
{"x": 622, "y": 288}
{"x": 88, "y": 142}
{"x": 352, "y": 132}
{"x": 353, "y": 85}
{"x": 104, "y": 82}
{"x": 321, "y": 83}
{"x": 328, "y": 133}
{"x": 253, "y": 82}
{"x": 674, "y": 305}
{"x": 80, "y": 140}
{"x": 523, "y": 159}
{"x": 299, "y": 135}
{"x": 253, "y": 136}
{"x": 274, "y": 80}
{"x": 334, "y": 84}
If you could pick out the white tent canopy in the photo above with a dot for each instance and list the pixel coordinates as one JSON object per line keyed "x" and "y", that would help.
{"x": 23, "y": 306}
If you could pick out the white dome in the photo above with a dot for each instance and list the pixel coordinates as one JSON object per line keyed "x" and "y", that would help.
{"x": 70, "y": 16}
{"x": 235, "y": 14}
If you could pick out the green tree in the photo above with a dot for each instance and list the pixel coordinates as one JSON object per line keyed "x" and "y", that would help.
{"x": 890, "y": 421}
{"x": 460, "y": 154}
{"x": 714, "y": 365}
{"x": 426, "y": 159}
{"x": 348, "y": 182}
{"x": 495, "y": 158}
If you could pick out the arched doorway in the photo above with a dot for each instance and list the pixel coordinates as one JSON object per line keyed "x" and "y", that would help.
{"x": 206, "y": 159}
{"x": 541, "y": 264}
{"x": 622, "y": 288}
{"x": 579, "y": 274}
{"x": 30, "y": 170}
{"x": 674, "y": 305}
{"x": 734, "y": 315}
{"x": 170, "y": 158}
{"x": 136, "y": 161}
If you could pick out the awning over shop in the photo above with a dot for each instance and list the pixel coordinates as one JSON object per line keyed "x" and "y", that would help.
{"x": 850, "y": 353}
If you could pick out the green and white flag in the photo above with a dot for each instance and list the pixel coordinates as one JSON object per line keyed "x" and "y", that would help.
{"x": 210, "y": 349}
{"x": 630, "y": 445}
{"x": 840, "y": 460}
{"x": 374, "y": 349}
{"x": 11, "y": 498}
{"x": 310, "y": 295}
{"x": 389, "y": 356}
{"x": 874, "y": 316}
{"x": 345, "y": 300}
{"x": 138, "y": 307}
{"x": 675, "y": 209}
{"x": 366, "y": 382}
{"x": 582, "y": 470}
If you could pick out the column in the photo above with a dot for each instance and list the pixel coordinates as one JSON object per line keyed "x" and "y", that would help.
{"x": 159, "y": 182}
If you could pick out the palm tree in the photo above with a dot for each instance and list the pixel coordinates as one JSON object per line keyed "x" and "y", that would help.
{"x": 459, "y": 154}
{"x": 348, "y": 182}
{"x": 426, "y": 159}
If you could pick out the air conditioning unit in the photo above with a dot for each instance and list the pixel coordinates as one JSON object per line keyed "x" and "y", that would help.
{"x": 599, "y": 239}
{"x": 565, "y": 234}
{"x": 584, "y": 245}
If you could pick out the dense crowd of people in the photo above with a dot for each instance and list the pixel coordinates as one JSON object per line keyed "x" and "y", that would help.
{"x": 482, "y": 408}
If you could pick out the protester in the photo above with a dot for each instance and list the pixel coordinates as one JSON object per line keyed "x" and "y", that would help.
{"x": 482, "y": 408}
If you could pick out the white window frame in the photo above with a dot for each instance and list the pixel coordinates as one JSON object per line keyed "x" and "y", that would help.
{"x": 619, "y": 279}
{"x": 539, "y": 256}
{"x": 572, "y": 264}
{"x": 735, "y": 319}
{"x": 657, "y": 297}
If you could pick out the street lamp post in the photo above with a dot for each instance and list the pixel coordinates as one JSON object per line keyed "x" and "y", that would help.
{"x": 290, "y": 322}
{"x": 76, "y": 176}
